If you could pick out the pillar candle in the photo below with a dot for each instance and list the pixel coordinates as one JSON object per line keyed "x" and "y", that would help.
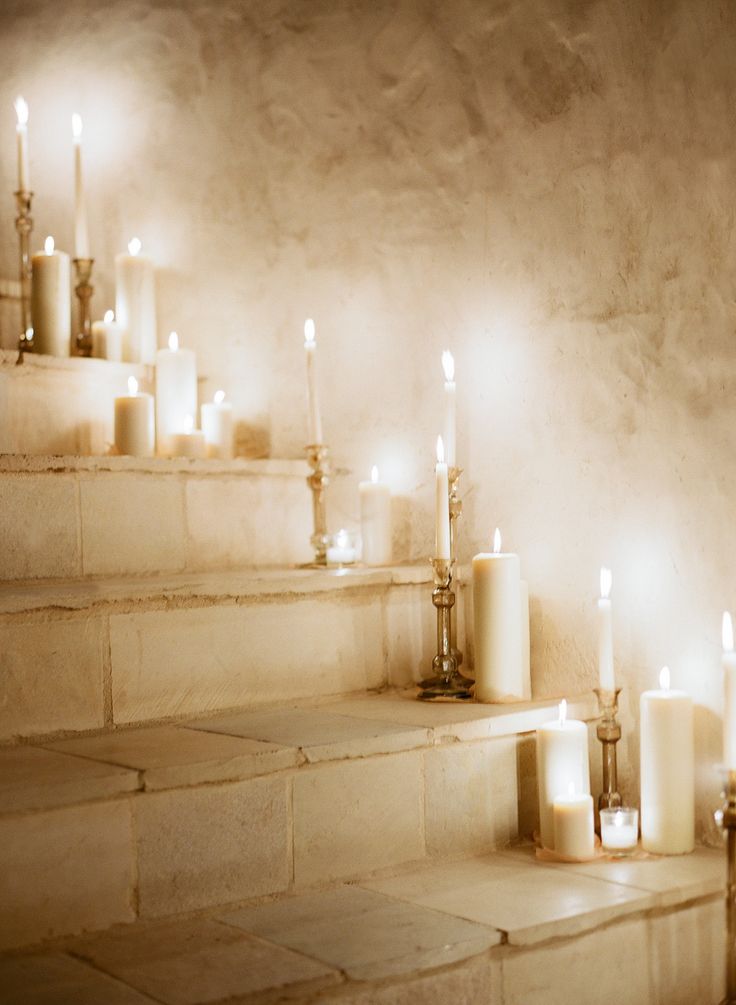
{"x": 217, "y": 426}
{"x": 176, "y": 394}
{"x": 562, "y": 760}
{"x": 375, "y": 520}
{"x": 51, "y": 301}
{"x": 667, "y": 765}
{"x": 573, "y": 824}
{"x": 606, "y": 681}
{"x": 310, "y": 348}
{"x": 497, "y": 626}
{"x": 135, "y": 304}
{"x": 134, "y": 425}
{"x": 448, "y": 365}
{"x": 21, "y": 129}
{"x": 729, "y": 692}
{"x": 442, "y": 505}
{"x": 107, "y": 338}
{"x": 81, "y": 240}
{"x": 189, "y": 442}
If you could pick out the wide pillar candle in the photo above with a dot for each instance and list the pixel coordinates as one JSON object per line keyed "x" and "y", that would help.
{"x": 176, "y": 393}
{"x": 51, "y": 306}
{"x": 217, "y": 426}
{"x": 667, "y": 762}
{"x": 562, "y": 761}
{"x": 134, "y": 425}
{"x": 497, "y": 627}
{"x": 375, "y": 520}
{"x": 135, "y": 304}
{"x": 574, "y": 825}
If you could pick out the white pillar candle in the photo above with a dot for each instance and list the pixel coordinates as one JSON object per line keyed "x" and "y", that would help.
{"x": 135, "y": 304}
{"x": 606, "y": 681}
{"x": 442, "y": 505}
{"x": 81, "y": 240}
{"x": 375, "y": 520}
{"x": 107, "y": 338}
{"x": 217, "y": 426}
{"x": 562, "y": 760}
{"x": 51, "y": 301}
{"x": 315, "y": 420}
{"x": 497, "y": 626}
{"x": 21, "y": 130}
{"x": 667, "y": 764}
{"x": 448, "y": 365}
{"x": 190, "y": 442}
{"x": 729, "y": 694}
{"x": 573, "y": 824}
{"x": 134, "y": 425}
{"x": 176, "y": 394}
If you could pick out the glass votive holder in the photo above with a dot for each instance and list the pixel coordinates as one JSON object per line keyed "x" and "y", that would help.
{"x": 619, "y": 830}
{"x": 342, "y": 548}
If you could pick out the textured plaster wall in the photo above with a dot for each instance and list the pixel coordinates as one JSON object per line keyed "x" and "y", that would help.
{"x": 546, "y": 187}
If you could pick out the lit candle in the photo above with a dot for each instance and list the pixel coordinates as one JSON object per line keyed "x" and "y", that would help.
{"x": 442, "y": 505}
{"x": 217, "y": 426}
{"x": 606, "y": 680}
{"x": 667, "y": 765}
{"x": 134, "y": 425}
{"x": 619, "y": 829}
{"x": 315, "y": 420}
{"x": 448, "y": 365}
{"x": 107, "y": 338}
{"x": 81, "y": 240}
{"x": 375, "y": 520}
{"x": 573, "y": 824}
{"x": 562, "y": 760}
{"x": 729, "y": 688}
{"x": 188, "y": 441}
{"x": 51, "y": 301}
{"x": 21, "y": 129}
{"x": 176, "y": 394}
{"x": 135, "y": 304}
{"x": 342, "y": 550}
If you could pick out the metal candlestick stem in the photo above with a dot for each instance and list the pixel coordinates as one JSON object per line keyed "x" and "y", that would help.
{"x": 84, "y": 291}
{"x": 318, "y": 458}
{"x": 609, "y": 733}
{"x": 446, "y": 681}
{"x": 456, "y": 508}
{"x": 726, "y": 818}
{"x": 24, "y": 226}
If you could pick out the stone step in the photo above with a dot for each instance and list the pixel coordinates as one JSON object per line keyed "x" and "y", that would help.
{"x": 145, "y": 823}
{"x": 80, "y": 655}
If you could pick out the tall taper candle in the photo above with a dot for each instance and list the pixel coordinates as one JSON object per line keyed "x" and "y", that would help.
{"x": 442, "y": 505}
{"x": 606, "y": 680}
{"x": 51, "y": 301}
{"x": 448, "y": 365}
{"x": 315, "y": 420}
{"x": 81, "y": 240}
{"x": 21, "y": 129}
{"x": 729, "y": 694}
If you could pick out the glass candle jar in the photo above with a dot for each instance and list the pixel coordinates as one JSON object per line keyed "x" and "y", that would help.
{"x": 619, "y": 830}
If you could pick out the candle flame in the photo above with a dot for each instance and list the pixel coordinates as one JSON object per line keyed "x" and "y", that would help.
{"x": 132, "y": 387}
{"x": 21, "y": 111}
{"x": 606, "y": 582}
{"x": 440, "y": 451}
{"x": 664, "y": 678}
{"x": 448, "y": 365}
{"x": 219, "y": 397}
{"x": 77, "y": 126}
{"x": 727, "y": 632}
{"x": 29, "y": 334}
{"x": 309, "y": 331}
{"x": 134, "y": 246}
{"x": 374, "y": 474}
{"x": 188, "y": 423}
{"x": 342, "y": 539}
{"x": 563, "y": 711}
{"x": 48, "y": 245}
{"x": 109, "y": 317}
{"x": 174, "y": 342}
{"x": 497, "y": 542}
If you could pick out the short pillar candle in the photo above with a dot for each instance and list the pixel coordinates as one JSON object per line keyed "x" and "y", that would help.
{"x": 107, "y": 338}
{"x": 190, "y": 442}
{"x": 134, "y": 425}
{"x": 217, "y": 426}
{"x": 562, "y": 760}
{"x": 574, "y": 835}
{"x": 51, "y": 308}
{"x": 375, "y": 520}
{"x": 176, "y": 394}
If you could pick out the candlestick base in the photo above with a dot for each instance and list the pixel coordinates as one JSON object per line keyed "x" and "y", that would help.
{"x": 318, "y": 458}
{"x": 84, "y": 291}
{"x": 446, "y": 682}
{"x": 726, "y": 818}
{"x": 608, "y": 732}
{"x": 24, "y": 226}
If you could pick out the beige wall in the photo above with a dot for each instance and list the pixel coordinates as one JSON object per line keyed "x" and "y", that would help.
{"x": 545, "y": 187}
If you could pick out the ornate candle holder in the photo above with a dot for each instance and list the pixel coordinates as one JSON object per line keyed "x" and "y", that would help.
{"x": 318, "y": 457}
{"x": 456, "y": 508}
{"x": 24, "y": 226}
{"x": 446, "y": 681}
{"x": 84, "y": 291}
{"x": 726, "y": 818}
{"x": 609, "y": 733}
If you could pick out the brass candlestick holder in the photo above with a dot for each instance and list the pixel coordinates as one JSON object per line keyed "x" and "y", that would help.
{"x": 609, "y": 733}
{"x": 24, "y": 226}
{"x": 456, "y": 508}
{"x": 726, "y": 818}
{"x": 84, "y": 291}
{"x": 318, "y": 457}
{"x": 446, "y": 681}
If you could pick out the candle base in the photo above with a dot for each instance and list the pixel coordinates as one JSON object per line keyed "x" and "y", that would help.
{"x": 318, "y": 458}
{"x": 446, "y": 682}
{"x": 24, "y": 226}
{"x": 84, "y": 291}
{"x": 726, "y": 819}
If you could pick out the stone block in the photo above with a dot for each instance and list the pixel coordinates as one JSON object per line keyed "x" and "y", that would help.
{"x": 57, "y": 979}
{"x": 39, "y": 527}
{"x": 466, "y": 983}
{"x": 411, "y": 632}
{"x": 688, "y": 954}
{"x": 357, "y": 816}
{"x": 33, "y": 779}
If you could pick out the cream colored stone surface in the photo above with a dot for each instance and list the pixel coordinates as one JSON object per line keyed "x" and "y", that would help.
{"x": 132, "y": 524}
{"x": 65, "y": 871}
{"x": 192, "y": 962}
{"x": 177, "y": 662}
{"x": 39, "y": 527}
{"x": 411, "y": 634}
{"x": 33, "y": 779}
{"x": 357, "y": 816}
{"x": 471, "y": 797}
{"x": 688, "y": 955}
{"x": 471, "y": 981}
{"x": 167, "y": 756}
{"x": 51, "y": 675}
{"x": 57, "y": 979}
{"x": 363, "y": 934}
{"x": 211, "y": 845}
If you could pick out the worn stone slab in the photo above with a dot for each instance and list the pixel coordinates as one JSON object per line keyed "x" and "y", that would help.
{"x": 688, "y": 954}
{"x": 364, "y": 934}
{"x": 58, "y": 979}
{"x": 357, "y": 816}
{"x": 212, "y": 845}
{"x": 468, "y": 982}
{"x": 39, "y": 527}
{"x": 33, "y": 779}
{"x": 168, "y": 756}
